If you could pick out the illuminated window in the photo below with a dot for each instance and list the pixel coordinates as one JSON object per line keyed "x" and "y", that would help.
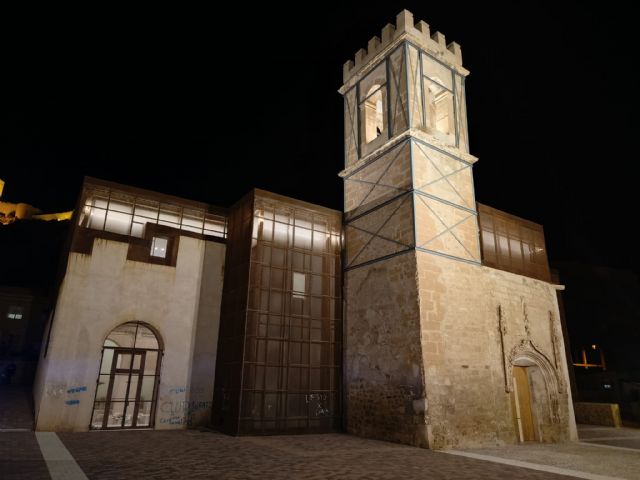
{"x": 119, "y": 214}
{"x": 126, "y": 214}
{"x": 373, "y": 101}
{"x": 15, "y": 313}
{"x": 299, "y": 285}
{"x": 373, "y": 114}
{"x": 439, "y": 110}
{"x": 438, "y": 95}
{"x": 159, "y": 247}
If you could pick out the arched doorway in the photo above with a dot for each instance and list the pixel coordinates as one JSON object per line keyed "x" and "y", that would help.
{"x": 522, "y": 400}
{"x": 127, "y": 385}
{"x": 536, "y": 391}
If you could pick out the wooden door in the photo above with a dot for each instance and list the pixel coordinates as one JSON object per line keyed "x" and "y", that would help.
{"x": 522, "y": 403}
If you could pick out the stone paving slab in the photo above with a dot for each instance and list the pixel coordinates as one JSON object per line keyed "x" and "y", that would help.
{"x": 618, "y": 442}
{"x": 192, "y": 454}
{"x": 60, "y": 463}
{"x": 621, "y": 437}
{"x": 573, "y": 456}
{"x": 20, "y": 457}
{"x": 588, "y": 432}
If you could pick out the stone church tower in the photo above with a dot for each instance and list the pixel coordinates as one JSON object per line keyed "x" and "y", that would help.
{"x": 440, "y": 349}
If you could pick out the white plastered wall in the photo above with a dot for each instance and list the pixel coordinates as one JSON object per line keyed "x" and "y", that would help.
{"x": 103, "y": 290}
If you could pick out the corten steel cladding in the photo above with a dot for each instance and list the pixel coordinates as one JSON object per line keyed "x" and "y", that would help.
{"x": 512, "y": 244}
{"x": 279, "y": 360}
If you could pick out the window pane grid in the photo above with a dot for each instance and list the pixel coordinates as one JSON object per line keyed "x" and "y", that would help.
{"x": 128, "y": 378}
{"x": 512, "y": 244}
{"x": 291, "y": 367}
{"x": 127, "y": 215}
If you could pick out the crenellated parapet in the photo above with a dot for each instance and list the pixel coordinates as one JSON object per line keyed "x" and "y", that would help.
{"x": 434, "y": 43}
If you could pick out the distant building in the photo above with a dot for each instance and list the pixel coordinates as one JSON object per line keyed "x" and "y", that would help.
{"x": 603, "y": 314}
{"x": 417, "y": 315}
{"x": 22, "y": 320}
{"x": 10, "y": 212}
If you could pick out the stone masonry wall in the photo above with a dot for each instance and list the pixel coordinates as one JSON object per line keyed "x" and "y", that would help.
{"x": 469, "y": 352}
{"x": 383, "y": 361}
{"x": 598, "y": 414}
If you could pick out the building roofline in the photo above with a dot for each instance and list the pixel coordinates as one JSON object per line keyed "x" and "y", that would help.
{"x": 151, "y": 194}
{"x": 294, "y": 201}
{"x": 507, "y": 214}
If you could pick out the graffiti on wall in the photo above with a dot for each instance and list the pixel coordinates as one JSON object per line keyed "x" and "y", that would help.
{"x": 73, "y": 392}
{"x": 318, "y": 404}
{"x": 177, "y": 411}
{"x": 60, "y": 390}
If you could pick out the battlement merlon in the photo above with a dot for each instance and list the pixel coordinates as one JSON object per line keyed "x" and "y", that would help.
{"x": 392, "y": 35}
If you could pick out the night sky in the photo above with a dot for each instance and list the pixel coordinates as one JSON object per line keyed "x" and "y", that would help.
{"x": 208, "y": 104}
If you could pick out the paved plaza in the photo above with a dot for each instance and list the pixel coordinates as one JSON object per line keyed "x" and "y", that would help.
{"x": 605, "y": 451}
{"x": 193, "y": 454}
{"x": 602, "y": 453}
{"x": 204, "y": 454}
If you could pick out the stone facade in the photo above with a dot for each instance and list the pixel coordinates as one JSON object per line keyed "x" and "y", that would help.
{"x": 433, "y": 337}
{"x": 476, "y": 324}
{"x": 384, "y": 374}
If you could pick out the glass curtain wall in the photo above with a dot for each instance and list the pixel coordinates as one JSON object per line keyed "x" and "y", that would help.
{"x": 512, "y": 244}
{"x": 127, "y": 214}
{"x": 291, "y": 365}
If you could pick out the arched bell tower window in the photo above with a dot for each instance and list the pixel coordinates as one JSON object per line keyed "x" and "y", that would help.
{"x": 373, "y": 114}
{"x": 439, "y": 100}
{"x": 373, "y": 105}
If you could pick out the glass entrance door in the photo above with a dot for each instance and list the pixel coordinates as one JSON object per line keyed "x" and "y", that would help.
{"x": 124, "y": 388}
{"x": 127, "y": 384}
{"x": 123, "y": 391}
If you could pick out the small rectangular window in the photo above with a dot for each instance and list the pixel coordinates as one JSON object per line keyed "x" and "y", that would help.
{"x": 299, "y": 286}
{"x": 159, "y": 247}
{"x": 15, "y": 313}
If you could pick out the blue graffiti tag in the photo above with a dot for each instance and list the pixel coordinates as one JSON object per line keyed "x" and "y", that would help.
{"x": 77, "y": 389}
